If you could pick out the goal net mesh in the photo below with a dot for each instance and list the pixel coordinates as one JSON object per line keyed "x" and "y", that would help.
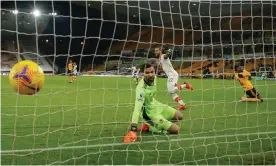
{"x": 84, "y": 122}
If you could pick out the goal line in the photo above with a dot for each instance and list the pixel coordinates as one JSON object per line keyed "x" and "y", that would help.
{"x": 3, "y": 152}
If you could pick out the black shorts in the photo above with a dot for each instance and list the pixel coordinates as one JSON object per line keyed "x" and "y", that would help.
{"x": 252, "y": 93}
{"x": 70, "y": 72}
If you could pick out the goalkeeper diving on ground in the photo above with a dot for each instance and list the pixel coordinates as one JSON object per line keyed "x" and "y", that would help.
{"x": 157, "y": 117}
{"x": 251, "y": 94}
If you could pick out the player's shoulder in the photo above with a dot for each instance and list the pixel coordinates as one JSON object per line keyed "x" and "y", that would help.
{"x": 140, "y": 85}
{"x": 245, "y": 72}
{"x": 162, "y": 56}
{"x": 140, "y": 90}
{"x": 165, "y": 58}
{"x": 237, "y": 76}
{"x": 155, "y": 80}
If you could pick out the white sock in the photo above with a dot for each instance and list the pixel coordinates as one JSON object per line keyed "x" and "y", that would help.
{"x": 176, "y": 98}
{"x": 183, "y": 86}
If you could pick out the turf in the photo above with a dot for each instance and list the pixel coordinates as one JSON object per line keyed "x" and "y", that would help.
{"x": 84, "y": 123}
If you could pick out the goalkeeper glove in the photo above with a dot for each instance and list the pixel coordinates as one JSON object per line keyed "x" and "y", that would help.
{"x": 131, "y": 135}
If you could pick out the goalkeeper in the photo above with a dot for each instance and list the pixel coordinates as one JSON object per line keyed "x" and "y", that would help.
{"x": 157, "y": 116}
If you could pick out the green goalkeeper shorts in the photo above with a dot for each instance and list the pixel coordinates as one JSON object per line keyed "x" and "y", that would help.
{"x": 161, "y": 119}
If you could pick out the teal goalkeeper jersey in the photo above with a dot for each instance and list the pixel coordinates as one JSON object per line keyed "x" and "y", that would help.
{"x": 145, "y": 101}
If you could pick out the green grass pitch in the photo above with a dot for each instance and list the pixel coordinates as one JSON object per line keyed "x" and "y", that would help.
{"x": 84, "y": 123}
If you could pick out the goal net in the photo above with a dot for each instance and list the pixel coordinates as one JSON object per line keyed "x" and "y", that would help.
{"x": 84, "y": 122}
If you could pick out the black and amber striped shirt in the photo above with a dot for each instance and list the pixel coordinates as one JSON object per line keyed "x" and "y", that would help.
{"x": 70, "y": 66}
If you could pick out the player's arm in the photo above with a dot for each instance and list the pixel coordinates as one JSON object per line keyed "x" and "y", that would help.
{"x": 244, "y": 74}
{"x": 139, "y": 102}
{"x": 167, "y": 54}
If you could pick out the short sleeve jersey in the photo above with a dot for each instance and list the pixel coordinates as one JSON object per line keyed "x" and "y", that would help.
{"x": 168, "y": 67}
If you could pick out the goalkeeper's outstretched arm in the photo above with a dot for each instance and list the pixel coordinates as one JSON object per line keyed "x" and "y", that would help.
{"x": 139, "y": 101}
{"x": 149, "y": 77}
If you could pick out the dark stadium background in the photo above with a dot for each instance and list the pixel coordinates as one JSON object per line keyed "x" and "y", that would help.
{"x": 227, "y": 25}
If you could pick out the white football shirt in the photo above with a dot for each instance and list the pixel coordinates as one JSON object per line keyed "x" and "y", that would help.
{"x": 168, "y": 67}
{"x": 75, "y": 68}
{"x": 137, "y": 71}
{"x": 133, "y": 70}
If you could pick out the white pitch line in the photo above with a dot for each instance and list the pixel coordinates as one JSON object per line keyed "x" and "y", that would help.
{"x": 134, "y": 143}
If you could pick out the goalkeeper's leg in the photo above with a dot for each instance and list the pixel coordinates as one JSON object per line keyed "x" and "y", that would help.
{"x": 171, "y": 115}
{"x": 163, "y": 126}
{"x": 172, "y": 129}
{"x": 163, "y": 122}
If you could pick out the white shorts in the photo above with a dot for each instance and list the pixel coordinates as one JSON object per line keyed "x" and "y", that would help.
{"x": 171, "y": 84}
{"x": 75, "y": 72}
{"x": 135, "y": 76}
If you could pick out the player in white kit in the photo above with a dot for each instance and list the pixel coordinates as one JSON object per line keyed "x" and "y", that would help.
{"x": 172, "y": 75}
{"x": 135, "y": 73}
{"x": 75, "y": 71}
